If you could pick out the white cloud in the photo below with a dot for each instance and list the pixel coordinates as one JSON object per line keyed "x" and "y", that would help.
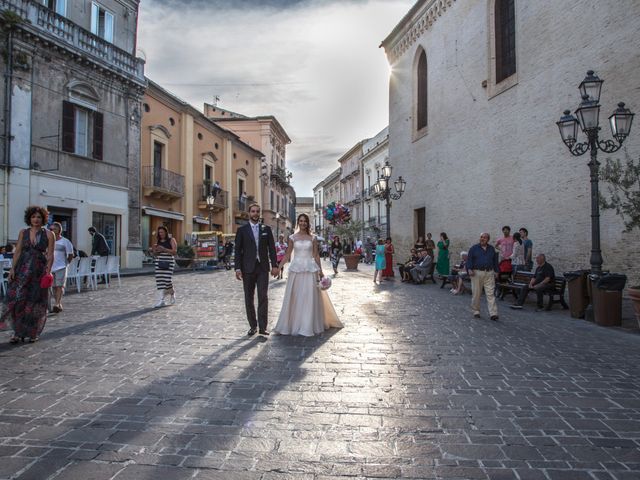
{"x": 316, "y": 67}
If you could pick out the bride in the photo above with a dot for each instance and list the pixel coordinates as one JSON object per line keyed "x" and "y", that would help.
{"x": 306, "y": 310}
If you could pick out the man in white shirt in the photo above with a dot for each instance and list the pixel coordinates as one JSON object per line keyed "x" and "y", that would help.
{"x": 62, "y": 255}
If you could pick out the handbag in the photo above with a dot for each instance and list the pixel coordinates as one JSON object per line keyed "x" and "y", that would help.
{"x": 164, "y": 265}
{"x": 46, "y": 281}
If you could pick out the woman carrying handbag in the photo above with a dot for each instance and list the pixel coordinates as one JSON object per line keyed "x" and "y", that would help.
{"x": 164, "y": 250}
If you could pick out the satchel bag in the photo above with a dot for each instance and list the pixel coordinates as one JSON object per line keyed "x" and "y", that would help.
{"x": 46, "y": 281}
{"x": 164, "y": 265}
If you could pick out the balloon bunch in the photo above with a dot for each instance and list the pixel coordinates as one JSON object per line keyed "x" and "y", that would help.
{"x": 336, "y": 213}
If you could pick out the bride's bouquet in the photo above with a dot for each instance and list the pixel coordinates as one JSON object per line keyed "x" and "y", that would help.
{"x": 324, "y": 283}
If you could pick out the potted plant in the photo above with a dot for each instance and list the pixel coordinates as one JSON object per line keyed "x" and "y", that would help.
{"x": 623, "y": 181}
{"x": 350, "y": 231}
{"x": 185, "y": 255}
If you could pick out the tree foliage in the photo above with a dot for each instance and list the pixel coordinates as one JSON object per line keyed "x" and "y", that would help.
{"x": 623, "y": 186}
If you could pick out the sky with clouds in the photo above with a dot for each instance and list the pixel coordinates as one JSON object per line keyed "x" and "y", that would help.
{"x": 314, "y": 64}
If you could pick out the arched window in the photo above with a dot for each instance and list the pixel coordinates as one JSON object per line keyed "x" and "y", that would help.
{"x": 422, "y": 93}
{"x": 505, "y": 35}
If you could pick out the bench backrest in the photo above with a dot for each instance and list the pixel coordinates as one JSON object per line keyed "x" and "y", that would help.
{"x": 522, "y": 276}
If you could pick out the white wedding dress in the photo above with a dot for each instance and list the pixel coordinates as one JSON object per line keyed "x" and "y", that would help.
{"x": 306, "y": 310}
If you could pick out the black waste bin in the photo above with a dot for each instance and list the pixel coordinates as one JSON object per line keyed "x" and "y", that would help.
{"x": 607, "y": 298}
{"x": 578, "y": 292}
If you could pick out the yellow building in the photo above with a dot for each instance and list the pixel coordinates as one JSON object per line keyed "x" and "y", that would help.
{"x": 196, "y": 175}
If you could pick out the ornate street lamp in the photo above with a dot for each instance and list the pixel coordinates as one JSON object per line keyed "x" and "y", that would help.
{"x": 382, "y": 189}
{"x": 277, "y": 226}
{"x": 588, "y": 113}
{"x": 211, "y": 200}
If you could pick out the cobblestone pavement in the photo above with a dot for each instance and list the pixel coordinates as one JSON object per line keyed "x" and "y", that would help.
{"x": 412, "y": 387}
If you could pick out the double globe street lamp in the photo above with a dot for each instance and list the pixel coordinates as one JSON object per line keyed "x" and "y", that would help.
{"x": 588, "y": 117}
{"x": 382, "y": 189}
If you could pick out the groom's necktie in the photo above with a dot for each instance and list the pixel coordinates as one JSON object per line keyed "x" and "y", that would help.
{"x": 256, "y": 237}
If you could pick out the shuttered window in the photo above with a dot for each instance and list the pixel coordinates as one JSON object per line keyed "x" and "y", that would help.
{"x": 422, "y": 103}
{"x": 82, "y": 129}
{"x": 505, "y": 29}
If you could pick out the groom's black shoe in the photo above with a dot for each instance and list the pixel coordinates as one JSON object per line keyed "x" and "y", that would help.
{"x": 263, "y": 332}
{"x": 251, "y": 332}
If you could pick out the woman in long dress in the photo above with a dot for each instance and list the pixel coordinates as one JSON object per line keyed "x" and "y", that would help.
{"x": 164, "y": 250}
{"x": 25, "y": 308}
{"x": 388, "y": 259}
{"x": 306, "y": 309}
{"x": 442, "y": 267}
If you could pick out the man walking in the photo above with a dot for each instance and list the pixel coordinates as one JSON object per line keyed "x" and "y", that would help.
{"x": 62, "y": 256}
{"x": 482, "y": 268}
{"x": 99, "y": 245}
{"x": 542, "y": 282}
{"x": 255, "y": 248}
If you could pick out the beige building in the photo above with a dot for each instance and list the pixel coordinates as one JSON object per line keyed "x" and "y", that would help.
{"x": 277, "y": 197}
{"x": 375, "y": 153}
{"x": 475, "y": 91}
{"x": 186, "y": 158}
{"x": 350, "y": 180}
{"x": 331, "y": 192}
{"x": 305, "y": 205}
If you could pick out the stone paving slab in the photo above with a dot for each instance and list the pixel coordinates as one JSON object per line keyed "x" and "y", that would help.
{"x": 412, "y": 387}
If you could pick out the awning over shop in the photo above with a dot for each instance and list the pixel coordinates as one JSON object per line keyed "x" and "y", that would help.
{"x": 199, "y": 219}
{"x": 156, "y": 212}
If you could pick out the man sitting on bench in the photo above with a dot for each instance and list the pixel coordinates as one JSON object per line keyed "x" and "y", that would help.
{"x": 542, "y": 282}
{"x": 421, "y": 270}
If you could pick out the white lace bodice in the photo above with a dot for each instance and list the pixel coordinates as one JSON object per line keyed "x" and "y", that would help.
{"x": 303, "y": 260}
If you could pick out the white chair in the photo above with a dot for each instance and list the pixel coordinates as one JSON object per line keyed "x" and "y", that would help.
{"x": 84, "y": 271}
{"x": 100, "y": 270}
{"x": 113, "y": 267}
{"x": 72, "y": 270}
{"x": 4, "y": 273}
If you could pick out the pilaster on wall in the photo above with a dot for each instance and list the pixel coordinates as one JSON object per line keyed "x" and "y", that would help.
{"x": 134, "y": 256}
{"x": 230, "y": 182}
{"x": 186, "y": 165}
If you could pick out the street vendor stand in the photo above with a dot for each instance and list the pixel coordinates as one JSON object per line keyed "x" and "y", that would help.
{"x": 205, "y": 245}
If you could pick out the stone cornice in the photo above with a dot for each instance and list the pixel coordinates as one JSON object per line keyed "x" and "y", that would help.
{"x": 418, "y": 20}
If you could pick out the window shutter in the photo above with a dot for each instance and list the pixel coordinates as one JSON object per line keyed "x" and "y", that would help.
{"x": 68, "y": 127}
{"x": 97, "y": 135}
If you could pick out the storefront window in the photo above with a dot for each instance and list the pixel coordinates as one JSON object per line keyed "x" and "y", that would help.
{"x": 109, "y": 226}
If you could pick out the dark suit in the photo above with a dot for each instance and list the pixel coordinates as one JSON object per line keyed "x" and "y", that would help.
{"x": 255, "y": 270}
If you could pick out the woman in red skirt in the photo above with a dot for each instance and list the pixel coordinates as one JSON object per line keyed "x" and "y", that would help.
{"x": 388, "y": 257}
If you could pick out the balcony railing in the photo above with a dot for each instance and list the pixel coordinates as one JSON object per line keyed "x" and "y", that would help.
{"x": 221, "y": 198}
{"x": 44, "y": 22}
{"x": 241, "y": 204}
{"x": 162, "y": 182}
{"x": 280, "y": 175}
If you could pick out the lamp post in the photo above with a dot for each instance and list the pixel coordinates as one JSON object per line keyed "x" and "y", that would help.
{"x": 588, "y": 113}
{"x": 211, "y": 200}
{"x": 382, "y": 189}
{"x": 277, "y": 226}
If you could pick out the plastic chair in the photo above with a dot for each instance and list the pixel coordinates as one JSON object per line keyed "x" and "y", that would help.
{"x": 100, "y": 270}
{"x": 84, "y": 271}
{"x": 113, "y": 267}
{"x": 72, "y": 270}
{"x": 6, "y": 265}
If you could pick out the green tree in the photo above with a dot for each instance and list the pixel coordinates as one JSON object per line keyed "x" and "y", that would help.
{"x": 623, "y": 187}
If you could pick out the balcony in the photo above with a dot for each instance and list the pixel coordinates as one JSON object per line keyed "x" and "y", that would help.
{"x": 221, "y": 201}
{"x": 161, "y": 183}
{"x": 280, "y": 176}
{"x": 48, "y": 25}
{"x": 241, "y": 206}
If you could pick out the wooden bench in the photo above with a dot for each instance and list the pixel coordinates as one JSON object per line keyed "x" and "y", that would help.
{"x": 522, "y": 278}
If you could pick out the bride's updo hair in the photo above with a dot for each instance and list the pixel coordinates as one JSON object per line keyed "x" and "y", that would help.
{"x": 306, "y": 217}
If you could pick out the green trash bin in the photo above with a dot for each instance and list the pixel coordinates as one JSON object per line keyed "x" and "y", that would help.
{"x": 607, "y": 298}
{"x": 578, "y": 292}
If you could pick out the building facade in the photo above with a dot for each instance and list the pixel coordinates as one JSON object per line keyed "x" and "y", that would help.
{"x": 305, "y": 205}
{"x": 332, "y": 189}
{"x": 264, "y": 133}
{"x": 318, "y": 203}
{"x": 375, "y": 153}
{"x": 472, "y": 111}
{"x": 350, "y": 180}
{"x": 196, "y": 175}
{"x": 71, "y": 119}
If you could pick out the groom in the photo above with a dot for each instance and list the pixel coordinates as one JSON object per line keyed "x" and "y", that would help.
{"x": 254, "y": 249}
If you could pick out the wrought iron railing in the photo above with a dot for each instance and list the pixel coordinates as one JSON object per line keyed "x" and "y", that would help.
{"x": 44, "y": 22}
{"x": 162, "y": 180}
{"x": 221, "y": 196}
